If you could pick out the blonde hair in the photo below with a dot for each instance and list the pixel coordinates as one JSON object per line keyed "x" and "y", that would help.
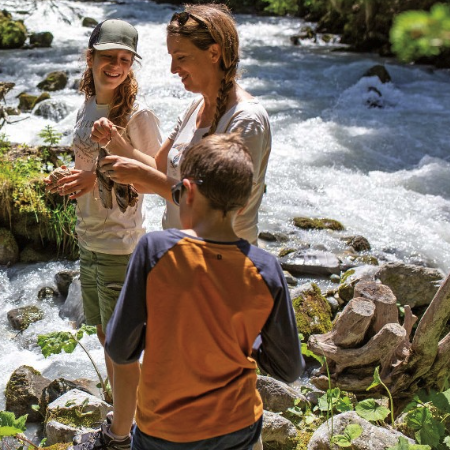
{"x": 213, "y": 24}
{"x": 124, "y": 96}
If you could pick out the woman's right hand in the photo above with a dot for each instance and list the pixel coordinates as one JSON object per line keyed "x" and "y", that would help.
{"x": 101, "y": 131}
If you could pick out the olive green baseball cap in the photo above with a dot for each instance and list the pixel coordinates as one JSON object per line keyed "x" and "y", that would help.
{"x": 113, "y": 34}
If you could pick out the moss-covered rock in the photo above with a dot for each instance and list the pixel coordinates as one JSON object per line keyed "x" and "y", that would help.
{"x": 312, "y": 312}
{"x": 89, "y": 22}
{"x": 26, "y": 101}
{"x": 13, "y": 33}
{"x": 24, "y": 390}
{"x": 285, "y": 251}
{"x": 307, "y": 223}
{"x": 43, "y": 39}
{"x": 54, "y": 81}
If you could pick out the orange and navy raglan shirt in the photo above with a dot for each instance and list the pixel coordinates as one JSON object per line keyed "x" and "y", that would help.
{"x": 201, "y": 311}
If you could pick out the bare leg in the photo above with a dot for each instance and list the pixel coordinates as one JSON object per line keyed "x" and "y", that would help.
{"x": 109, "y": 364}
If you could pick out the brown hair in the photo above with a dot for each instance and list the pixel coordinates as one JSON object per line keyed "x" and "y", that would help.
{"x": 224, "y": 164}
{"x": 213, "y": 24}
{"x": 124, "y": 96}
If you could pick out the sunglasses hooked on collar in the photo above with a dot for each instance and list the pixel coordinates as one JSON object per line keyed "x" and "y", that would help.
{"x": 182, "y": 17}
{"x": 177, "y": 189}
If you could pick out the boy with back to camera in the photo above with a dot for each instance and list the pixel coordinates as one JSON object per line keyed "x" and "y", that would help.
{"x": 205, "y": 307}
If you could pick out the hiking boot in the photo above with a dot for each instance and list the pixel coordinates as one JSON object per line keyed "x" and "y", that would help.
{"x": 100, "y": 439}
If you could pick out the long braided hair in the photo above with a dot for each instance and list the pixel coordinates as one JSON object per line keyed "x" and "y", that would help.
{"x": 124, "y": 96}
{"x": 212, "y": 24}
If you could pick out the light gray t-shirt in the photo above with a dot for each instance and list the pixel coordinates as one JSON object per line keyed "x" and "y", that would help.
{"x": 253, "y": 122}
{"x": 109, "y": 230}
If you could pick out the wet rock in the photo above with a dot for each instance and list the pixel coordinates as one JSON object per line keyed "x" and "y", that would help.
{"x": 273, "y": 237}
{"x": 371, "y": 438}
{"x": 311, "y": 262}
{"x": 23, "y": 390}
{"x": 43, "y": 39}
{"x": 278, "y": 432}
{"x": 54, "y": 81}
{"x": 73, "y": 306}
{"x": 89, "y": 22}
{"x": 379, "y": 71}
{"x": 64, "y": 279}
{"x": 290, "y": 280}
{"x": 46, "y": 292}
{"x": 30, "y": 254}
{"x": 412, "y": 285}
{"x": 358, "y": 243}
{"x": 73, "y": 413}
{"x": 21, "y": 318}
{"x": 306, "y": 223}
{"x": 312, "y": 310}
{"x": 26, "y": 101}
{"x": 286, "y": 251}
{"x": 9, "y": 250}
{"x": 55, "y": 110}
{"x": 276, "y": 396}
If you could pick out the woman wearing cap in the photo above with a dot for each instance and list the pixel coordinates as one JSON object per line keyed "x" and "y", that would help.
{"x": 107, "y": 237}
{"x": 204, "y": 46}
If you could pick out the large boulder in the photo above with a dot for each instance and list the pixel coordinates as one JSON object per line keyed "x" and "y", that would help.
{"x": 23, "y": 390}
{"x": 64, "y": 279}
{"x": 371, "y": 438}
{"x": 73, "y": 413}
{"x": 52, "y": 109}
{"x": 412, "y": 285}
{"x": 311, "y": 262}
{"x": 9, "y": 250}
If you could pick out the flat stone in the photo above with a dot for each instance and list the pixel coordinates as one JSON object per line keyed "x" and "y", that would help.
{"x": 311, "y": 262}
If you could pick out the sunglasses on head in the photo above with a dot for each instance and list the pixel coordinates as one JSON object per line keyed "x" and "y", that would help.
{"x": 177, "y": 190}
{"x": 182, "y": 17}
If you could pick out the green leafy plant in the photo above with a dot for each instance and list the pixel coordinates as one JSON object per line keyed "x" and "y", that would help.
{"x": 403, "y": 444}
{"x": 372, "y": 411}
{"x": 50, "y": 135}
{"x": 282, "y": 7}
{"x": 377, "y": 382}
{"x": 59, "y": 341}
{"x": 428, "y": 416}
{"x": 351, "y": 432}
{"x": 419, "y": 33}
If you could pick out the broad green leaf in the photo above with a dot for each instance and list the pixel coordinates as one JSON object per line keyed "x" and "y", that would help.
{"x": 9, "y": 425}
{"x": 370, "y": 410}
{"x": 9, "y": 431}
{"x": 344, "y": 404}
{"x": 442, "y": 401}
{"x": 353, "y": 431}
{"x": 341, "y": 440}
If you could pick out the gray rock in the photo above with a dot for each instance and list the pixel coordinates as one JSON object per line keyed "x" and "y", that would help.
{"x": 371, "y": 438}
{"x": 290, "y": 280}
{"x": 310, "y": 262}
{"x": 412, "y": 285}
{"x": 73, "y": 413}
{"x": 276, "y": 396}
{"x": 55, "y": 110}
{"x": 54, "y": 81}
{"x": 279, "y": 431}
{"x": 43, "y": 39}
{"x": 23, "y": 390}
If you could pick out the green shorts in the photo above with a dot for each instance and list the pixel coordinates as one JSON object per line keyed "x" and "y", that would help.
{"x": 102, "y": 277}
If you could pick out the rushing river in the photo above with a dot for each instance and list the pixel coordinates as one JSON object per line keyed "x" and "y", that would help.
{"x": 383, "y": 172}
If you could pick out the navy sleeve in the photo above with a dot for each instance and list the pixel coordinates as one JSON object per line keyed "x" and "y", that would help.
{"x": 277, "y": 349}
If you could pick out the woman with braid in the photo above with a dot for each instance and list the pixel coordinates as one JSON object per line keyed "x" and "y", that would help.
{"x": 204, "y": 46}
